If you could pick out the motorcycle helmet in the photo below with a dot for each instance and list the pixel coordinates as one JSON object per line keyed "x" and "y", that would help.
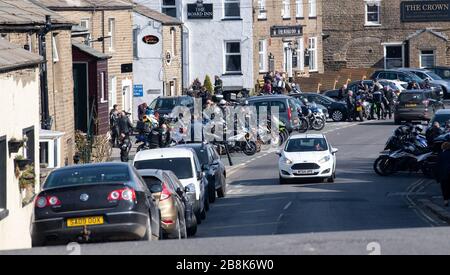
{"x": 222, "y": 102}
{"x": 419, "y": 129}
{"x": 305, "y": 101}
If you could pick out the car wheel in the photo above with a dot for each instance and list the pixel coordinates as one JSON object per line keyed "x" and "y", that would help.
{"x": 207, "y": 201}
{"x": 192, "y": 230}
{"x": 203, "y": 214}
{"x": 148, "y": 230}
{"x": 337, "y": 116}
{"x": 37, "y": 243}
{"x": 198, "y": 217}
{"x": 332, "y": 178}
{"x": 222, "y": 191}
{"x": 283, "y": 181}
{"x": 212, "y": 193}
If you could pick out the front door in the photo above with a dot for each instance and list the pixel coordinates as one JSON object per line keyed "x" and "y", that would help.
{"x": 80, "y": 92}
{"x": 394, "y": 56}
{"x": 287, "y": 59}
{"x": 127, "y": 96}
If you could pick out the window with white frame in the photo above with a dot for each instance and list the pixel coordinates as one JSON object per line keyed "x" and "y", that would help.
{"x": 299, "y": 8}
{"x": 55, "y": 52}
{"x": 233, "y": 57}
{"x": 169, "y": 8}
{"x": 312, "y": 8}
{"x": 286, "y": 9}
{"x": 85, "y": 24}
{"x": 232, "y": 9}
{"x": 102, "y": 87}
{"x": 312, "y": 49}
{"x": 373, "y": 12}
{"x": 112, "y": 85}
{"x": 262, "y": 51}
{"x": 112, "y": 33}
{"x": 300, "y": 54}
{"x": 262, "y": 12}
{"x": 427, "y": 59}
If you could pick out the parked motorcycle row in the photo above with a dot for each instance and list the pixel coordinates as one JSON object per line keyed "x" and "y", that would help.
{"x": 408, "y": 150}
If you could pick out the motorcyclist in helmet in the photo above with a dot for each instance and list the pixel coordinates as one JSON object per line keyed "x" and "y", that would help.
{"x": 426, "y": 84}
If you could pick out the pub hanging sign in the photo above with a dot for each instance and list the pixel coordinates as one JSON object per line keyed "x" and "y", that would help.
{"x": 425, "y": 11}
{"x": 284, "y": 31}
{"x": 200, "y": 11}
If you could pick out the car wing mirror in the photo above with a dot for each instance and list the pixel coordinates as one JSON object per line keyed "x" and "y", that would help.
{"x": 334, "y": 150}
{"x": 155, "y": 188}
{"x": 278, "y": 153}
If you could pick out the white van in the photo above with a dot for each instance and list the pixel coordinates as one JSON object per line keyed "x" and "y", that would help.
{"x": 183, "y": 162}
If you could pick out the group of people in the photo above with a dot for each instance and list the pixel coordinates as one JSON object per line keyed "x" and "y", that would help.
{"x": 381, "y": 100}
{"x": 276, "y": 83}
{"x": 120, "y": 125}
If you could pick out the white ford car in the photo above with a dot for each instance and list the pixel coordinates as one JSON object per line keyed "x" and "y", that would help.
{"x": 307, "y": 156}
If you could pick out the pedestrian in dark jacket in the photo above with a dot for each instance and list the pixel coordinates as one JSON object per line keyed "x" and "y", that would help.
{"x": 142, "y": 109}
{"x": 351, "y": 106}
{"x": 433, "y": 132}
{"x": 125, "y": 125}
{"x": 444, "y": 172}
{"x": 114, "y": 125}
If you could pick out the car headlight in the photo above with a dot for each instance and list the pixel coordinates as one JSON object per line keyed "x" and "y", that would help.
{"x": 325, "y": 159}
{"x": 190, "y": 188}
{"x": 286, "y": 160}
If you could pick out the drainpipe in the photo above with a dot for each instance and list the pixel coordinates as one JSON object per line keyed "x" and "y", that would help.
{"x": 46, "y": 121}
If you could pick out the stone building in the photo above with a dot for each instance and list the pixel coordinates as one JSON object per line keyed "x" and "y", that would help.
{"x": 386, "y": 34}
{"x": 158, "y": 55}
{"x": 287, "y": 37}
{"x": 20, "y": 24}
{"x": 19, "y": 82}
{"x": 109, "y": 24}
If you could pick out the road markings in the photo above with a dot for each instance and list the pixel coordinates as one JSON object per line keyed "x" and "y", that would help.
{"x": 226, "y": 205}
{"x": 242, "y": 225}
{"x": 280, "y": 217}
{"x": 253, "y": 211}
{"x": 287, "y": 205}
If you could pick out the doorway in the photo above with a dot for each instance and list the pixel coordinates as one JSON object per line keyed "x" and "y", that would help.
{"x": 80, "y": 93}
{"x": 127, "y": 96}
{"x": 394, "y": 55}
{"x": 288, "y": 58}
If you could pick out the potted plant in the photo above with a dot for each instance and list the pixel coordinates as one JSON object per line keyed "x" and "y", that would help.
{"x": 27, "y": 181}
{"x": 21, "y": 162}
{"x": 14, "y": 145}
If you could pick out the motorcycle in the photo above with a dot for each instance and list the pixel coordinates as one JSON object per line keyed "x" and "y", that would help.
{"x": 315, "y": 118}
{"x": 125, "y": 147}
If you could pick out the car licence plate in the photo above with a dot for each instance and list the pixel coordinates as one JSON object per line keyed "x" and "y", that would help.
{"x": 75, "y": 222}
{"x": 305, "y": 172}
{"x": 410, "y": 105}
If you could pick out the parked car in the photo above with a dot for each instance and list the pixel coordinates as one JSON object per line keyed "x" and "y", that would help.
{"x": 434, "y": 79}
{"x": 441, "y": 116}
{"x": 94, "y": 202}
{"x": 334, "y": 94}
{"x": 213, "y": 166}
{"x": 336, "y": 110}
{"x": 443, "y": 72}
{"x": 177, "y": 210}
{"x": 417, "y": 105}
{"x": 165, "y": 105}
{"x": 402, "y": 75}
{"x": 307, "y": 156}
{"x": 396, "y": 85}
{"x": 184, "y": 163}
{"x": 287, "y": 109}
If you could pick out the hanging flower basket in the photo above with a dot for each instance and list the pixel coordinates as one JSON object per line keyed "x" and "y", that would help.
{"x": 22, "y": 163}
{"x": 27, "y": 181}
{"x": 14, "y": 145}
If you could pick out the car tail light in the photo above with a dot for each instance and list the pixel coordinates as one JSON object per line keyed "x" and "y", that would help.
{"x": 165, "y": 194}
{"x": 426, "y": 103}
{"x": 42, "y": 202}
{"x": 125, "y": 194}
{"x": 289, "y": 113}
{"x": 167, "y": 221}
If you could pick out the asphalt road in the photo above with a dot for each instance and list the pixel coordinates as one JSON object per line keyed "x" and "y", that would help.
{"x": 351, "y": 216}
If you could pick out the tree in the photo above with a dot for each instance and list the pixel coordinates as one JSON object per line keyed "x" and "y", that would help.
{"x": 208, "y": 84}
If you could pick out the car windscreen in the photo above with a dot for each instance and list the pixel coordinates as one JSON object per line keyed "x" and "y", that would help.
{"x": 87, "y": 175}
{"x": 442, "y": 119}
{"x": 150, "y": 181}
{"x": 202, "y": 155}
{"x": 166, "y": 103}
{"x": 181, "y": 167}
{"x": 306, "y": 145}
{"x": 411, "y": 97}
{"x": 434, "y": 76}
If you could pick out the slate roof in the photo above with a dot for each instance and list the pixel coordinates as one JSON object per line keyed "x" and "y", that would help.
{"x": 13, "y": 57}
{"x": 91, "y": 51}
{"x": 160, "y": 17}
{"x": 86, "y": 4}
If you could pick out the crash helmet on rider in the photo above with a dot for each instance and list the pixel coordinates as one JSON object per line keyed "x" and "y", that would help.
{"x": 305, "y": 101}
{"x": 222, "y": 103}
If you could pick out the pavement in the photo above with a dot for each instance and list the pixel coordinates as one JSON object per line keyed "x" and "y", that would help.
{"x": 361, "y": 213}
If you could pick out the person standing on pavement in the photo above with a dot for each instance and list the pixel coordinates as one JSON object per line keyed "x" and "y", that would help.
{"x": 125, "y": 125}
{"x": 444, "y": 172}
{"x": 378, "y": 99}
{"x": 388, "y": 101}
{"x": 218, "y": 85}
{"x": 114, "y": 125}
{"x": 433, "y": 132}
{"x": 142, "y": 110}
{"x": 351, "y": 106}
{"x": 342, "y": 93}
